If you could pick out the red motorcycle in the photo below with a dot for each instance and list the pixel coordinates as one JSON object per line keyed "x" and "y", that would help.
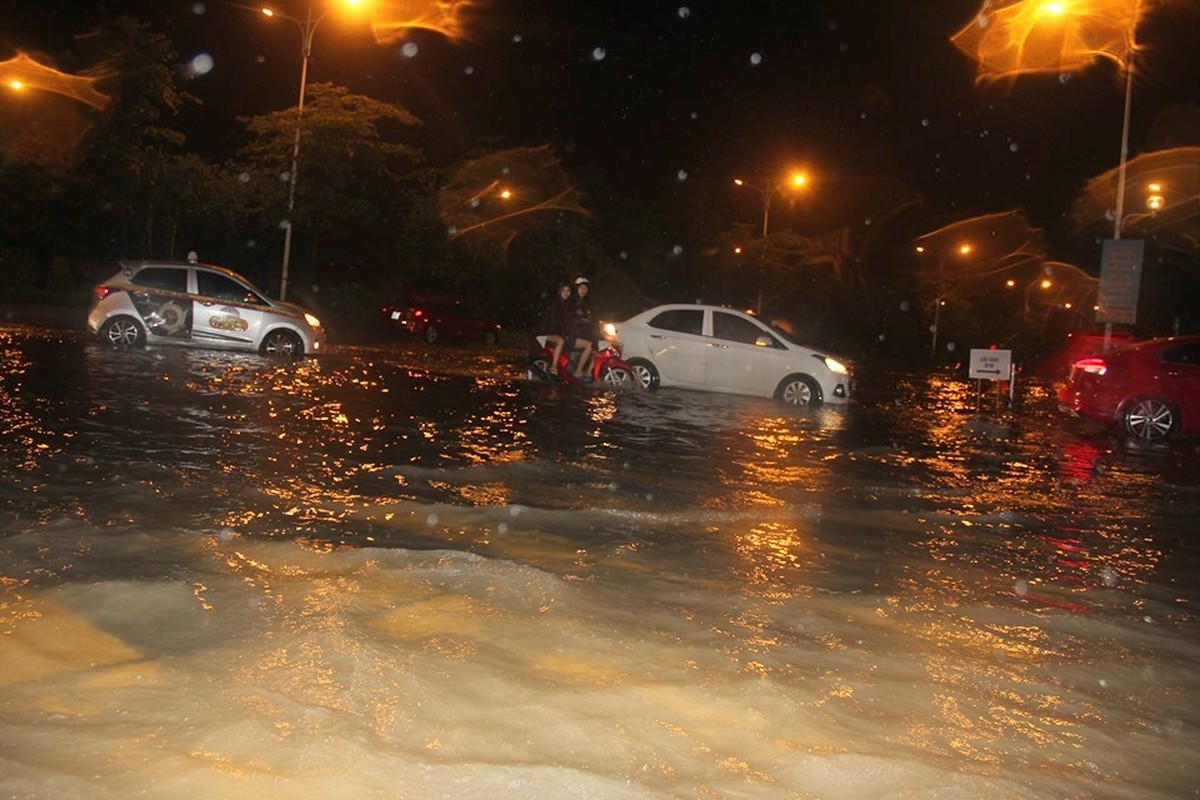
{"x": 606, "y": 366}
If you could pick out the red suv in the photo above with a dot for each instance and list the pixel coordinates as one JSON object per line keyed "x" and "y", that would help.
{"x": 1151, "y": 389}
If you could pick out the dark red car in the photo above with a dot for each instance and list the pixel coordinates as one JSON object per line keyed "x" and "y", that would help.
{"x": 1151, "y": 388}
{"x": 436, "y": 318}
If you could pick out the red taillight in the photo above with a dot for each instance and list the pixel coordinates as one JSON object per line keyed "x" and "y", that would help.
{"x": 418, "y": 312}
{"x": 102, "y": 292}
{"x": 1095, "y": 365}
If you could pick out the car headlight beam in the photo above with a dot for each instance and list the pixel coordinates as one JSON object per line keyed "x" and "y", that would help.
{"x": 835, "y": 366}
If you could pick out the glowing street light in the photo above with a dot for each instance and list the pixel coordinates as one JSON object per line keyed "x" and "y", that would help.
{"x": 307, "y": 26}
{"x": 794, "y": 181}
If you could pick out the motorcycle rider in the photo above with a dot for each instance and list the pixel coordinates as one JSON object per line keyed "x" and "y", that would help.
{"x": 583, "y": 326}
{"x": 558, "y": 322}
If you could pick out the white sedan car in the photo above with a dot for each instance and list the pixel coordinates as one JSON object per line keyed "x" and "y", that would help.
{"x": 717, "y": 349}
{"x": 198, "y": 305}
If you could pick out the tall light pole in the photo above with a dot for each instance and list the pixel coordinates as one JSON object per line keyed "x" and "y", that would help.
{"x": 963, "y": 249}
{"x": 795, "y": 181}
{"x": 308, "y": 27}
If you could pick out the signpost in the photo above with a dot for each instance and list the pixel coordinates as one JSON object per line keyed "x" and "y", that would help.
{"x": 991, "y": 365}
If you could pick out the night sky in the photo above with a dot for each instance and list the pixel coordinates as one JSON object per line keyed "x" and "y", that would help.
{"x": 679, "y": 97}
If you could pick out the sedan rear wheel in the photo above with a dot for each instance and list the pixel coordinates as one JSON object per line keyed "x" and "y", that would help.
{"x": 122, "y": 333}
{"x": 1150, "y": 418}
{"x": 799, "y": 390}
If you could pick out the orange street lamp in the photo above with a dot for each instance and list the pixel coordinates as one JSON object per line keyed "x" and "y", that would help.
{"x": 794, "y": 181}
{"x": 307, "y": 26}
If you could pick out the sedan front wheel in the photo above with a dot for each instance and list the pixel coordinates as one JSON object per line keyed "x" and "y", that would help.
{"x": 1149, "y": 418}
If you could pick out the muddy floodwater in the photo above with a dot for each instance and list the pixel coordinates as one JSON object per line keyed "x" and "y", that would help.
{"x": 402, "y": 571}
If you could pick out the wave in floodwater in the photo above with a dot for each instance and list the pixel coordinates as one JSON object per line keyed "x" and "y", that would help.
{"x": 406, "y": 572}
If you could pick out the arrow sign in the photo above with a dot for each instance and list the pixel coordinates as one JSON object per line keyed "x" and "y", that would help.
{"x": 990, "y": 365}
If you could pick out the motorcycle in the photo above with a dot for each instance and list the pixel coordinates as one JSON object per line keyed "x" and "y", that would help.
{"x": 606, "y": 367}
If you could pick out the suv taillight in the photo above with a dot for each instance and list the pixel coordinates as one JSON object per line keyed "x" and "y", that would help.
{"x": 102, "y": 292}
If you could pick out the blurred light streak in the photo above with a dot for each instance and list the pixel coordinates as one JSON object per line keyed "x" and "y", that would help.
{"x": 392, "y": 20}
{"x": 1033, "y": 36}
{"x": 28, "y": 74}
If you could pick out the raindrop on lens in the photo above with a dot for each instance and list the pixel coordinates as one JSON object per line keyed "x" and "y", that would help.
{"x": 199, "y": 8}
{"x": 684, "y": 12}
{"x": 244, "y": 177}
{"x": 925, "y": 123}
{"x": 201, "y": 64}
{"x": 904, "y": 305}
{"x": 681, "y": 175}
{"x": 469, "y": 70}
{"x": 1014, "y": 147}
{"x": 756, "y": 59}
{"x": 677, "y": 250}
{"x": 409, "y": 50}
{"x": 598, "y": 54}
{"x": 432, "y": 519}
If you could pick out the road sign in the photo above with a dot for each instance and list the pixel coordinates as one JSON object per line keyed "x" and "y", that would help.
{"x": 990, "y": 365}
{"x": 1120, "y": 277}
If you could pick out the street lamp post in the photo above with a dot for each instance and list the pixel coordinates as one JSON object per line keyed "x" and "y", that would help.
{"x": 940, "y": 298}
{"x": 308, "y": 27}
{"x": 768, "y": 192}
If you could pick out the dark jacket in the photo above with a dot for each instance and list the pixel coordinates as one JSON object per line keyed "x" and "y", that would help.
{"x": 583, "y": 325}
{"x": 559, "y": 318}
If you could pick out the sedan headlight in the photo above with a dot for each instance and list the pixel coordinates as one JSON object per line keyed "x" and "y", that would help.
{"x": 311, "y": 320}
{"x": 835, "y": 366}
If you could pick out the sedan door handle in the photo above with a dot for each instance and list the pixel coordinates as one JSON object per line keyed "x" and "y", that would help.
{"x": 655, "y": 336}
{"x": 718, "y": 344}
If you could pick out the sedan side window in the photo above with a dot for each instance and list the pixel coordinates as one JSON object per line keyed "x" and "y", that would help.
{"x": 1182, "y": 354}
{"x": 681, "y": 320}
{"x": 736, "y": 329}
{"x": 211, "y": 284}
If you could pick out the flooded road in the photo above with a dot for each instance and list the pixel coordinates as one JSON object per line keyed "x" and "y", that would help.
{"x": 405, "y": 572}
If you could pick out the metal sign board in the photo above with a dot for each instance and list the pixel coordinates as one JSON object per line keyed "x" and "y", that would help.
{"x": 990, "y": 365}
{"x": 1120, "y": 279}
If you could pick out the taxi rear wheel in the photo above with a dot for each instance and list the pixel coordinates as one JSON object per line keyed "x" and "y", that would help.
{"x": 123, "y": 333}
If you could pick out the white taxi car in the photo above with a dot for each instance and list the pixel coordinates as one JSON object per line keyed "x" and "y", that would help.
{"x": 198, "y": 305}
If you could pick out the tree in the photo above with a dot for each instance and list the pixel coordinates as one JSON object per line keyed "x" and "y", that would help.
{"x": 127, "y": 154}
{"x": 349, "y": 187}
